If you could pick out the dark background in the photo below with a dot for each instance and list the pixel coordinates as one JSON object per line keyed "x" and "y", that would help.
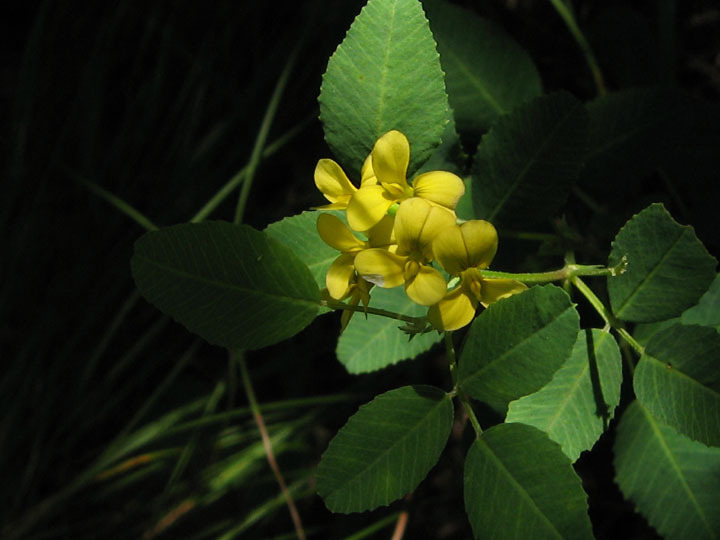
{"x": 159, "y": 103}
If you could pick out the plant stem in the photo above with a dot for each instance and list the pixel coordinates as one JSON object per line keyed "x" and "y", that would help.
{"x": 334, "y": 304}
{"x": 587, "y": 51}
{"x": 566, "y": 272}
{"x": 262, "y": 135}
{"x": 605, "y": 313}
{"x": 464, "y": 400}
{"x": 269, "y": 454}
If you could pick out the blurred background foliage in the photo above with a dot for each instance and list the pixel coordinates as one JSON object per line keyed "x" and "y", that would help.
{"x": 115, "y": 422}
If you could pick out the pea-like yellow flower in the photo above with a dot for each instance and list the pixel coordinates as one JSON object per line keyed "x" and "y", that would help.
{"x": 341, "y": 279}
{"x": 390, "y": 158}
{"x": 334, "y": 184}
{"x": 417, "y": 223}
{"x": 462, "y": 250}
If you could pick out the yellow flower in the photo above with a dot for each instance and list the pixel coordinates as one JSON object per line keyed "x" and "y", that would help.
{"x": 334, "y": 184}
{"x": 417, "y": 223}
{"x": 341, "y": 279}
{"x": 463, "y": 250}
{"x": 389, "y": 162}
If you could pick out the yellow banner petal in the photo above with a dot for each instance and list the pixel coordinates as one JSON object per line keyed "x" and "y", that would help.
{"x": 382, "y": 234}
{"x": 390, "y": 158}
{"x": 441, "y": 187}
{"x": 454, "y": 311}
{"x": 481, "y": 242}
{"x": 339, "y": 276}
{"x": 332, "y": 182}
{"x": 428, "y": 286}
{"x": 367, "y": 174}
{"x": 367, "y": 207}
{"x": 380, "y": 267}
{"x": 336, "y": 234}
{"x": 450, "y": 251}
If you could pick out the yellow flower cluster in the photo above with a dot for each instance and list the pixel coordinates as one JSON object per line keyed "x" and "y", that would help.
{"x": 407, "y": 227}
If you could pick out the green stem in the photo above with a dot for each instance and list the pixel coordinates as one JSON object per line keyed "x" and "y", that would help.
{"x": 262, "y": 136}
{"x": 567, "y": 272}
{"x": 334, "y": 304}
{"x": 464, "y": 400}
{"x": 587, "y": 51}
{"x": 605, "y": 313}
{"x": 267, "y": 444}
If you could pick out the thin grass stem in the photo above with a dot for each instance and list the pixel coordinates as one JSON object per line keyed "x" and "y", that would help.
{"x": 566, "y": 14}
{"x": 262, "y": 136}
{"x": 269, "y": 454}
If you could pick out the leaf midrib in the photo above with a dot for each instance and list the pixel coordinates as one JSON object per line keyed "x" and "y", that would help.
{"x": 650, "y": 274}
{"x": 541, "y": 148}
{"x": 353, "y": 478}
{"x": 493, "y": 362}
{"x": 671, "y": 458}
{"x": 225, "y": 285}
{"x": 519, "y": 487}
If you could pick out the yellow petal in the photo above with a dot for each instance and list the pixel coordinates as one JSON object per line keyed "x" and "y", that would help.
{"x": 427, "y": 287}
{"x": 367, "y": 207}
{"x": 382, "y": 234}
{"x": 332, "y": 181}
{"x": 336, "y": 234}
{"x": 380, "y": 267}
{"x": 390, "y": 158}
{"x": 481, "y": 242}
{"x": 441, "y": 187}
{"x": 339, "y": 276}
{"x": 417, "y": 223}
{"x": 367, "y": 174}
{"x": 454, "y": 311}
{"x": 450, "y": 251}
{"x": 409, "y": 222}
{"x": 497, "y": 289}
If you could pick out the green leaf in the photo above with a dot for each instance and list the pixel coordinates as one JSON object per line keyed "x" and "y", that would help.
{"x": 673, "y": 481}
{"x": 527, "y": 163}
{"x": 385, "y": 75}
{"x": 299, "y": 233}
{"x": 630, "y": 133}
{"x": 377, "y": 342}
{"x": 230, "y": 284}
{"x": 519, "y": 484}
{"x": 574, "y": 409}
{"x": 486, "y": 72}
{"x": 385, "y": 449}
{"x": 678, "y": 380}
{"x": 516, "y": 345}
{"x": 707, "y": 311}
{"x": 668, "y": 268}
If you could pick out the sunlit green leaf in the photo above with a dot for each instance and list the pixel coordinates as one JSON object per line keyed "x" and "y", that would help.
{"x": 230, "y": 284}
{"x": 486, "y": 72}
{"x": 707, "y": 311}
{"x": 575, "y": 408}
{"x": 385, "y": 75}
{"x": 668, "y": 268}
{"x": 517, "y": 344}
{"x": 375, "y": 342}
{"x": 527, "y": 163}
{"x": 385, "y": 449}
{"x": 673, "y": 480}
{"x": 678, "y": 380}
{"x": 519, "y": 484}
